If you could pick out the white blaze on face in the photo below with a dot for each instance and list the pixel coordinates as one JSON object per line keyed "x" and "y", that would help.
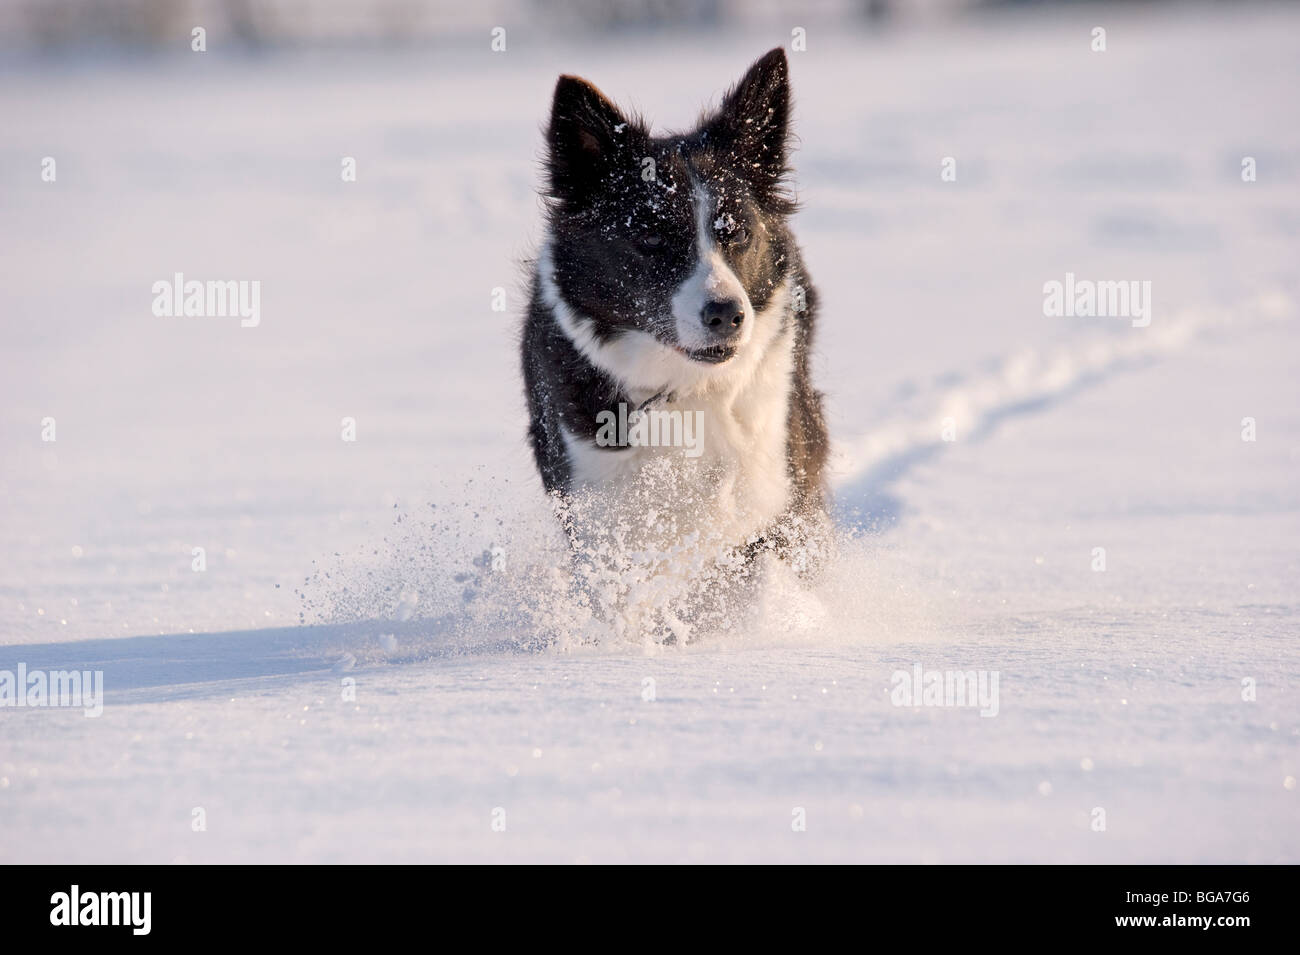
{"x": 712, "y": 279}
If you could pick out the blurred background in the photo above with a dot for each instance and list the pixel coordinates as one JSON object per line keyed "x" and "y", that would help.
{"x": 137, "y": 24}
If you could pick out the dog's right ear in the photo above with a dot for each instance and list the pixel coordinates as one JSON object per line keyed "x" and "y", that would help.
{"x": 588, "y": 138}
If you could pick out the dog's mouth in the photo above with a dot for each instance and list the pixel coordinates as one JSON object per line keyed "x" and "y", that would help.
{"x": 713, "y": 355}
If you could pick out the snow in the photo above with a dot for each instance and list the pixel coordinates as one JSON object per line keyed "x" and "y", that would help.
{"x": 420, "y": 556}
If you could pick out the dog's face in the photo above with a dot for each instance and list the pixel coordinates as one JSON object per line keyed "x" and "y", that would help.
{"x": 679, "y": 238}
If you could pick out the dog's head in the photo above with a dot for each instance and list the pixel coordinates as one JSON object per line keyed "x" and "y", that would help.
{"x": 671, "y": 248}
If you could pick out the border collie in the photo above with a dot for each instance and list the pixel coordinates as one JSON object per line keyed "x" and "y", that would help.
{"x": 666, "y": 347}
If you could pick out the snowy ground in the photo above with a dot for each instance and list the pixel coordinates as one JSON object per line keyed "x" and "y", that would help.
{"x": 1119, "y": 690}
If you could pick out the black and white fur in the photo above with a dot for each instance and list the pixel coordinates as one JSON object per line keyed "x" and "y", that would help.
{"x": 669, "y": 279}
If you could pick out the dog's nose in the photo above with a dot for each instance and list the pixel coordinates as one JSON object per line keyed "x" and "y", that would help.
{"x": 723, "y": 316}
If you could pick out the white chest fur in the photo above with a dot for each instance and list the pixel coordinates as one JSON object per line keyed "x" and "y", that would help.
{"x": 734, "y": 482}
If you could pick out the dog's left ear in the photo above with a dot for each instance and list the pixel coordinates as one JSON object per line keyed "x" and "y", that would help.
{"x": 590, "y": 140}
{"x": 752, "y": 127}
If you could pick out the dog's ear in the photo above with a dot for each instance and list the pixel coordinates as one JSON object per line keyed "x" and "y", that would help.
{"x": 588, "y": 138}
{"x": 752, "y": 127}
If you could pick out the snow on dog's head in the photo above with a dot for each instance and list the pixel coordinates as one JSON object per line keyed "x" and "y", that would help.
{"x": 668, "y": 256}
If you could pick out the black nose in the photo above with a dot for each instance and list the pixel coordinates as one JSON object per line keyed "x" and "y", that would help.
{"x": 723, "y": 316}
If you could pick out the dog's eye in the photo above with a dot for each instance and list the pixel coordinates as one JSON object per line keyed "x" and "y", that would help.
{"x": 731, "y": 233}
{"x": 650, "y": 242}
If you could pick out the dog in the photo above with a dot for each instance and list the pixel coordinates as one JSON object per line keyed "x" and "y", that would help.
{"x": 667, "y": 341}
